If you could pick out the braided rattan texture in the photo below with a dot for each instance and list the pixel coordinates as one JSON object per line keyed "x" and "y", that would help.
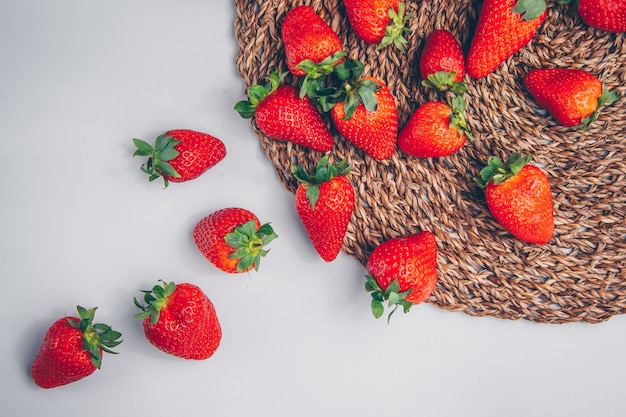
{"x": 580, "y": 274}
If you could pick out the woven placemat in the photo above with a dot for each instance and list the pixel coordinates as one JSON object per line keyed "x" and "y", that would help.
{"x": 580, "y": 274}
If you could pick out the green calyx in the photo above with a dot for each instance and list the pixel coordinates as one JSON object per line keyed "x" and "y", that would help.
{"x": 352, "y": 89}
{"x": 159, "y": 156}
{"x": 155, "y": 300}
{"x": 607, "y": 97}
{"x": 530, "y": 9}
{"x": 96, "y": 337}
{"x": 497, "y": 171}
{"x": 257, "y": 93}
{"x": 392, "y": 296}
{"x": 457, "y": 118}
{"x": 316, "y": 73}
{"x": 397, "y": 28}
{"x": 325, "y": 171}
{"x": 444, "y": 81}
{"x": 248, "y": 244}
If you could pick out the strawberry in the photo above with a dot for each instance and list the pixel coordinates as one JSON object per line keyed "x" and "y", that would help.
{"x": 402, "y": 272}
{"x": 72, "y": 349}
{"x": 180, "y": 155}
{"x": 381, "y": 22}
{"x": 572, "y": 96}
{"x": 607, "y": 15}
{"x": 306, "y": 36}
{"x": 363, "y": 110}
{"x": 179, "y": 319}
{"x": 325, "y": 202}
{"x": 442, "y": 63}
{"x": 504, "y": 27}
{"x": 233, "y": 239}
{"x": 282, "y": 115}
{"x": 435, "y": 129}
{"x": 519, "y": 197}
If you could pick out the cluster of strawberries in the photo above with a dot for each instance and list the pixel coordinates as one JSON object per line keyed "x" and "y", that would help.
{"x": 179, "y": 318}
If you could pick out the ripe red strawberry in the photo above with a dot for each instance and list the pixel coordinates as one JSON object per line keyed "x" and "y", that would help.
{"x": 72, "y": 349}
{"x": 607, "y": 15}
{"x": 233, "y": 239}
{"x": 442, "y": 63}
{"x": 572, "y": 96}
{"x": 179, "y": 319}
{"x": 180, "y": 155}
{"x": 381, "y": 22}
{"x": 282, "y": 115}
{"x": 402, "y": 272}
{"x": 325, "y": 202}
{"x": 306, "y": 36}
{"x": 519, "y": 197}
{"x": 504, "y": 27}
{"x": 435, "y": 129}
{"x": 362, "y": 109}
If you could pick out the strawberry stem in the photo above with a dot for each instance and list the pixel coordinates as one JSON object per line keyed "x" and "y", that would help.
{"x": 530, "y": 9}
{"x": 391, "y": 295}
{"x": 257, "y": 93}
{"x": 159, "y": 156}
{"x": 248, "y": 244}
{"x": 96, "y": 337}
{"x": 497, "y": 171}
{"x": 397, "y": 28}
{"x": 323, "y": 172}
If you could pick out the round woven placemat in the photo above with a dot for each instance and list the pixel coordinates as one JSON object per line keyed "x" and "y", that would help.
{"x": 580, "y": 274}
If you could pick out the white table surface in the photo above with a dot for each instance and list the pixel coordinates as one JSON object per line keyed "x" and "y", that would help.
{"x": 81, "y": 225}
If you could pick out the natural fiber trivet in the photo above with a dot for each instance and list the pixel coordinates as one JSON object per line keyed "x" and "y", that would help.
{"x": 580, "y": 274}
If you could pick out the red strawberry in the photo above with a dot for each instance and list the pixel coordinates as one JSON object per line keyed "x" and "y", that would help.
{"x": 306, "y": 36}
{"x": 607, "y": 15}
{"x": 504, "y": 27}
{"x": 519, "y": 197}
{"x": 325, "y": 202}
{"x": 282, "y": 115}
{"x": 180, "y": 155}
{"x": 233, "y": 239}
{"x": 363, "y": 110}
{"x": 435, "y": 129}
{"x": 402, "y": 272}
{"x": 381, "y": 22}
{"x": 442, "y": 63}
{"x": 72, "y": 349}
{"x": 572, "y": 96}
{"x": 179, "y": 319}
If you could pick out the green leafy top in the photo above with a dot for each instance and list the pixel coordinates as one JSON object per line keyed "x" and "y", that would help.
{"x": 444, "y": 81}
{"x": 498, "y": 171}
{"x": 325, "y": 171}
{"x": 397, "y": 28}
{"x": 392, "y": 295}
{"x": 530, "y": 9}
{"x": 96, "y": 337}
{"x": 315, "y": 78}
{"x": 158, "y": 157}
{"x": 155, "y": 300}
{"x": 257, "y": 93}
{"x": 457, "y": 118}
{"x": 248, "y": 244}
{"x": 352, "y": 90}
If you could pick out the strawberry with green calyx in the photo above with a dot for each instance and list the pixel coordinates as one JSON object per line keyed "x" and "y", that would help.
{"x": 179, "y": 155}
{"x": 519, "y": 197}
{"x": 363, "y": 110}
{"x": 325, "y": 203}
{"x": 402, "y": 272}
{"x": 233, "y": 239}
{"x": 306, "y": 36}
{"x": 442, "y": 63}
{"x": 572, "y": 96}
{"x": 503, "y": 28}
{"x": 607, "y": 15}
{"x": 435, "y": 129}
{"x": 179, "y": 319}
{"x": 282, "y": 115}
{"x": 381, "y": 22}
{"x": 72, "y": 349}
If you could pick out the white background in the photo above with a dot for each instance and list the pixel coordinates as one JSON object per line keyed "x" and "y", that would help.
{"x": 81, "y": 224}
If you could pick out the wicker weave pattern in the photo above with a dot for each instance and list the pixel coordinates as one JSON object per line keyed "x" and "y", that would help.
{"x": 580, "y": 275}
